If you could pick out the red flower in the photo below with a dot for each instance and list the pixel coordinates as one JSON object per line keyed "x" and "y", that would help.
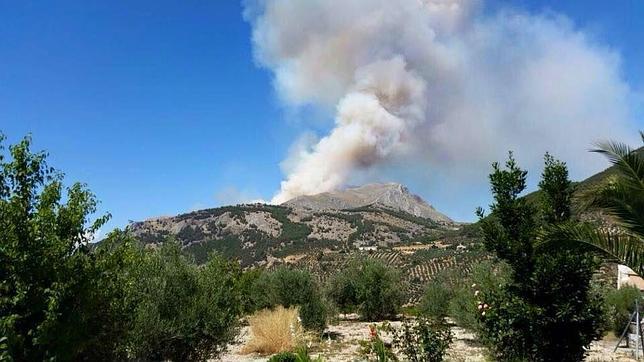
{"x": 373, "y": 332}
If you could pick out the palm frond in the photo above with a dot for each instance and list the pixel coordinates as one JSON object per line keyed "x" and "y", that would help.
{"x": 628, "y": 162}
{"x": 625, "y": 205}
{"x": 621, "y": 247}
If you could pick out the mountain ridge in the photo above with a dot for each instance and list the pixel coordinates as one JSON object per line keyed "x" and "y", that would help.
{"x": 392, "y": 195}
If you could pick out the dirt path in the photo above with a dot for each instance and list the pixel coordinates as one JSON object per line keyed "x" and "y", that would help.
{"x": 344, "y": 346}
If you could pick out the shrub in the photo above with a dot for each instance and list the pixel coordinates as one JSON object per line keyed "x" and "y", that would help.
{"x": 64, "y": 299}
{"x": 436, "y": 299}
{"x": 182, "y": 311}
{"x": 485, "y": 276}
{"x": 375, "y": 349}
{"x": 283, "y": 357}
{"x": 289, "y": 287}
{"x": 342, "y": 290}
{"x": 371, "y": 288}
{"x": 274, "y": 331}
{"x": 620, "y": 303}
{"x": 439, "y": 292}
{"x": 422, "y": 340}
{"x": 254, "y": 297}
{"x": 301, "y": 355}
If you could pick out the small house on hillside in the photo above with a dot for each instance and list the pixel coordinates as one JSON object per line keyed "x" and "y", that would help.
{"x": 368, "y": 248}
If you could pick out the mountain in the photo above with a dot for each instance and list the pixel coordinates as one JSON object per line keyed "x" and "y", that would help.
{"x": 322, "y": 233}
{"x": 370, "y": 216}
{"x": 388, "y": 195}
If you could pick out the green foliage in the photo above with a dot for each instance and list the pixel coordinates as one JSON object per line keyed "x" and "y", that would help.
{"x": 181, "y": 311}
{"x": 47, "y": 274}
{"x": 342, "y": 289}
{"x": 486, "y": 275}
{"x": 547, "y": 310}
{"x": 62, "y": 299}
{"x": 619, "y": 193}
{"x": 369, "y": 286}
{"x": 511, "y": 227}
{"x": 557, "y": 191}
{"x": 290, "y": 230}
{"x": 379, "y": 292}
{"x": 440, "y": 292}
{"x": 620, "y": 303}
{"x": 375, "y": 349}
{"x": 250, "y": 289}
{"x": 283, "y": 357}
{"x": 455, "y": 295}
{"x": 288, "y": 287}
{"x": 422, "y": 340}
{"x": 300, "y": 355}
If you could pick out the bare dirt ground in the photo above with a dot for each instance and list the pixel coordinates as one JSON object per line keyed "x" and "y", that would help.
{"x": 342, "y": 345}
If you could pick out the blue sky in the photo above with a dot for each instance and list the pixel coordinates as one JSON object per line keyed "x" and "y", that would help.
{"x": 160, "y": 107}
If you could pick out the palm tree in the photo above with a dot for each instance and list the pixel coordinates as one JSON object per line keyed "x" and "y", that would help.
{"x": 621, "y": 198}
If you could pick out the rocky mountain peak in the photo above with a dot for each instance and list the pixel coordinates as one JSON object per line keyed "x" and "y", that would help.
{"x": 391, "y": 195}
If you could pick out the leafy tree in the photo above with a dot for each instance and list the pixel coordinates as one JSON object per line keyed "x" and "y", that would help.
{"x": 46, "y": 268}
{"x": 547, "y": 311}
{"x": 370, "y": 287}
{"x": 64, "y": 299}
{"x": 181, "y": 311}
{"x": 342, "y": 289}
{"x": 289, "y": 287}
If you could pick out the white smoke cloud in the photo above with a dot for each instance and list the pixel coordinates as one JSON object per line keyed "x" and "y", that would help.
{"x": 439, "y": 82}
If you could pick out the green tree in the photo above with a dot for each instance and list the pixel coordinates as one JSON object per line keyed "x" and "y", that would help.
{"x": 182, "y": 311}
{"x": 289, "y": 287}
{"x": 46, "y": 267}
{"x": 371, "y": 288}
{"x": 547, "y": 311}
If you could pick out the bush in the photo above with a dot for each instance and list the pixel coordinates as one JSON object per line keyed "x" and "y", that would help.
{"x": 436, "y": 299}
{"x": 274, "y": 331}
{"x": 620, "y": 303}
{"x": 422, "y": 340}
{"x": 182, "y": 311}
{"x": 254, "y": 298}
{"x": 289, "y": 287}
{"x": 342, "y": 289}
{"x": 371, "y": 288}
{"x": 301, "y": 355}
{"x": 284, "y": 357}
{"x": 452, "y": 294}
{"x": 486, "y": 275}
{"x": 439, "y": 292}
{"x": 375, "y": 348}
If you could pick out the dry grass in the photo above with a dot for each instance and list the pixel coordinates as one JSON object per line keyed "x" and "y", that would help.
{"x": 274, "y": 331}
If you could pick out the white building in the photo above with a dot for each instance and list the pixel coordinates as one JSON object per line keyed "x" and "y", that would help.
{"x": 626, "y": 276}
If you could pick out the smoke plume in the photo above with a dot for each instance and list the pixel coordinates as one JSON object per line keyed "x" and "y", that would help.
{"x": 444, "y": 83}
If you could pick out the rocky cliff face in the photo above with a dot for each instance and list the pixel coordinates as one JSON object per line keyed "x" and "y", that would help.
{"x": 389, "y": 195}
